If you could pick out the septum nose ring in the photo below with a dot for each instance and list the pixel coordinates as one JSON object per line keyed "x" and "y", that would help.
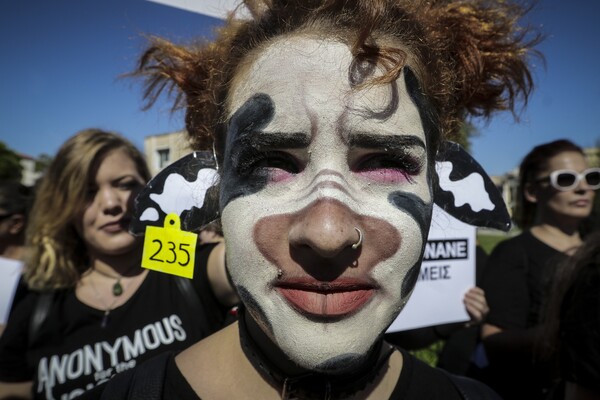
{"x": 360, "y": 239}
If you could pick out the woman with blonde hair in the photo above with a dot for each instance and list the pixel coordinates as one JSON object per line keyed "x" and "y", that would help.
{"x": 93, "y": 310}
{"x": 327, "y": 119}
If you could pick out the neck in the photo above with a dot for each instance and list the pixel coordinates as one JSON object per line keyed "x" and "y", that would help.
{"x": 216, "y": 239}
{"x": 128, "y": 264}
{"x": 564, "y": 239}
{"x": 566, "y": 225}
{"x": 13, "y": 251}
{"x": 258, "y": 340}
{"x": 292, "y": 380}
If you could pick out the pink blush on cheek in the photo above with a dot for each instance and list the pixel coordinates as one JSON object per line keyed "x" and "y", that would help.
{"x": 385, "y": 175}
{"x": 277, "y": 175}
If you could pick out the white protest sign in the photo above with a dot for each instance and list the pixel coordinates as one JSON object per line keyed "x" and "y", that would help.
{"x": 447, "y": 272}
{"x": 212, "y": 8}
{"x": 10, "y": 272}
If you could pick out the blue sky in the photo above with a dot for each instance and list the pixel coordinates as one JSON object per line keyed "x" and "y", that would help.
{"x": 61, "y": 59}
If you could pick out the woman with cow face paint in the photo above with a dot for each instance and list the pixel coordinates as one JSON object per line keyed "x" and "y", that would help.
{"x": 326, "y": 118}
{"x": 324, "y": 174}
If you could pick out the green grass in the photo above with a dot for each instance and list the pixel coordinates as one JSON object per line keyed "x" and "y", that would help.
{"x": 489, "y": 240}
{"x": 430, "y": 354}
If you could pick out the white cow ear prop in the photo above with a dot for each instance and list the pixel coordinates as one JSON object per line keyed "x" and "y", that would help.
{"x": 465, "y": 191}
{"x": 188, "y": 188}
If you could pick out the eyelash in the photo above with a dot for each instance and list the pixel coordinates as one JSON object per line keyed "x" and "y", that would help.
{"x": 270, "y": 159}
{"x": 128, "y": 185}
{"x": 403, "y": 164}
{"x": 123, "y": 185}
{"x": 383, "y": 167}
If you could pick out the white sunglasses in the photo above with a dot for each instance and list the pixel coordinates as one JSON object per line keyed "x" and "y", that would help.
{"x": 566, "y": 179}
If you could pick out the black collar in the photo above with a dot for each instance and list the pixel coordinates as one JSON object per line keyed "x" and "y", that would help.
{"x": 312, "y": 385}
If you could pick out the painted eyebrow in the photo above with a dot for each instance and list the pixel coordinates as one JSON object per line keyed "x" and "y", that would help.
{"x": 275, "y": 140}
{"x": 372, "y": 141}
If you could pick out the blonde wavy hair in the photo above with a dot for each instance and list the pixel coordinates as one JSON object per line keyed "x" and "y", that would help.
{"x": 56, "y": 253}
{"x": 471, "y": 57}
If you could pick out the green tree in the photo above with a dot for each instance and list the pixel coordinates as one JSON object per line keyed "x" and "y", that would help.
{"x": 10, "y": 166}
{"x": 465, "y": 134}
{"x": 593, "y": 222}
{"x": 42, "y": 162}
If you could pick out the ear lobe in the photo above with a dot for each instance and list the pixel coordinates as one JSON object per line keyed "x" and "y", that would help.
{"x": 189, "y": 188}
{"x": 17, "y": 224}
{"x": 530, "y": 193}
{"x": 465, "y": 191}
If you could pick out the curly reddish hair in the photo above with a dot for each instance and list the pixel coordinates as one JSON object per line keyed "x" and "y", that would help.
{"x": 471, "y": 58}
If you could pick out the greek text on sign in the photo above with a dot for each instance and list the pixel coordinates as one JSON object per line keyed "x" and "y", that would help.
{"x": 453, "y": 249}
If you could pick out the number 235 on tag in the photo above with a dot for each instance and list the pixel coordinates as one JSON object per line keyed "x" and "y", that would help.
{"x": 170, "y": 250}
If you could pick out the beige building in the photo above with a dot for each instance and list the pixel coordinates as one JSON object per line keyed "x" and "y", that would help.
{"x": 164, "y": 149}
{"x": 593, "y": 156}
{"x": 29, "y": 175}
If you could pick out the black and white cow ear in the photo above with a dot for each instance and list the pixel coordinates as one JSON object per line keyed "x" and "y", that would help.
{"x": 465, "y": 191}
{"x": 188, "y": 188}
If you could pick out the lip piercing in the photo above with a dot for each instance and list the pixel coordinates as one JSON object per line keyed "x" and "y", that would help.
{"x": 279, "y": 273}
{"x": 360, "y": 239}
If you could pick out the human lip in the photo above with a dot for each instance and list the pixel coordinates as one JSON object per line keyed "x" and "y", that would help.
{"x": 327, "y": 300}
{"x": 581, "y": 203}
{"x": 114, "y": 226}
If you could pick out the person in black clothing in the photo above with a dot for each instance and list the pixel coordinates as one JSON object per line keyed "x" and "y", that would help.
{"x": 556, "y": 193}
{"x": 101, "y": 312}
{"x": 327, "y": 118}
{"x": 571, "y": 334}
{"x": 15, "y": 204}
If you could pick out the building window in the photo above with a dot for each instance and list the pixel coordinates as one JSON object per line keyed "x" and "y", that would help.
{"x": 163, "y": 158}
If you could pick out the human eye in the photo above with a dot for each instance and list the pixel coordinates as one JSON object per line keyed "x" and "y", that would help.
{"x": 276, "y": 165}
{"x": 128, "y": 184}
{"x": 389, "y": 168}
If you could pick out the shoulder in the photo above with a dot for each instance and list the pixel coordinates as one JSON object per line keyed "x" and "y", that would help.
{"x": 206, "y": 357}
{"x": 217, "y": 367}
{"x": 430, "y": 382}
{"x": 512, "y": 244}
{"x": 419, "y": 380}
{"x": 146, "y": 381}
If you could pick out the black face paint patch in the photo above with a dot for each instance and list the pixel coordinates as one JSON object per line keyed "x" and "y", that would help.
{"x": 251, "y": 303}
{"x": 254, "y": 115}
{"x": 419, "y": 210}
{"x": 410, "y": 280}
{"x": 430, "y": 123}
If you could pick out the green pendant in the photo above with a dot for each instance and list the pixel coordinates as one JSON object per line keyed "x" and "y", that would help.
{"x": 117, "y": 288}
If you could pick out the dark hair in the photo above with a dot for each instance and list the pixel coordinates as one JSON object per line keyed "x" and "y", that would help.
{"x": 214, "y": 226}
{"x": 57, "y": 254}
{"x": 571, "y": 280}
{"x": 470, "y": 58}
{"x": 534, "y": 162}
{"x": 15, "y": 198}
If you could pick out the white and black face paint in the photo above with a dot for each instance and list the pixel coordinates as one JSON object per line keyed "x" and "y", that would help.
{"x": 307, "y": 160}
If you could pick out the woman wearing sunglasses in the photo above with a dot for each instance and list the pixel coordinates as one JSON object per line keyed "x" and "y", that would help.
{"x": 556, "y": 193}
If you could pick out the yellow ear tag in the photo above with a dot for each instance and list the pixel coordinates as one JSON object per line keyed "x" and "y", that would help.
{"x": 169, "y": 249}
